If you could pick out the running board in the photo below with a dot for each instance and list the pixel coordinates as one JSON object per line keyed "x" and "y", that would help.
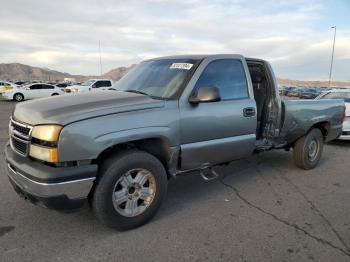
{"x": 208, "y": 174}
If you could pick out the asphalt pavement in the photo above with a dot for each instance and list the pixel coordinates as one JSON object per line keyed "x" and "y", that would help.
{"x": 260, "y": 209}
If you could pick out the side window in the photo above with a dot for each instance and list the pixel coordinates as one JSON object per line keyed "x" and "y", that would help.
{"x": 228, "y": 76}
{"x": 35, "y": 87}
{"x": 107, "y": 83}
{"x": 48, "y": 87}
{"x": 97, "y": 84}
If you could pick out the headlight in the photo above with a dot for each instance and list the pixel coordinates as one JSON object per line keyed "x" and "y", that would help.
{"x": 44, "y": 153}
{"x": 48, "y": 133}
{"x": 74, "y": 90}
{"x": 44, "y": 143}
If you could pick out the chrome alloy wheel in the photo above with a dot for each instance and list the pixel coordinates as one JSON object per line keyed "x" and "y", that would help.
{"x": 313, "y": 150}
{"x": 134, "y": 192}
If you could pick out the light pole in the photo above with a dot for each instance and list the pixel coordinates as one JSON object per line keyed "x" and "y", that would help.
{"x": 331, "y": 67}
{"x": 99, "y": 50}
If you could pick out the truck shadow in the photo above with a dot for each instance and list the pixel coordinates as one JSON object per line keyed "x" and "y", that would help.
{"x": 189, "y": 189}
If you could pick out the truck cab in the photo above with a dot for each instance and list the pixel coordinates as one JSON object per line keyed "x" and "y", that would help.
{"x": 90, "y": 85}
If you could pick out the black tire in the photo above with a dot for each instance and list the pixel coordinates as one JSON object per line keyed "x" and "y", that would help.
{"x": 18, "y": 97}
{"x": 303, "y": 149}
{"x": 54, "y": 94}
{"x": 111, "y": 172}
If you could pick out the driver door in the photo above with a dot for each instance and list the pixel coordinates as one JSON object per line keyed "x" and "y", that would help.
{"x": 218, "y": 132}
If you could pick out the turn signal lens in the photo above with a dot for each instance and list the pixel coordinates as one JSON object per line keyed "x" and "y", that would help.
{"x": 44, "y": 153}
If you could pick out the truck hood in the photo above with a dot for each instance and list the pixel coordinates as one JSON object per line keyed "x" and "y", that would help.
{"x": 65, "y": 109}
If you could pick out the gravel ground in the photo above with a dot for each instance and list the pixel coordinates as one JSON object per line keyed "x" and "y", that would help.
{"x": 260, "y": 209}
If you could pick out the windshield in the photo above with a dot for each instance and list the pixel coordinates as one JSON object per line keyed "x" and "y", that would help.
{"x": 88, "y": 83}
{"x": 161, "y": 78}
{"x": 337, "y": 95}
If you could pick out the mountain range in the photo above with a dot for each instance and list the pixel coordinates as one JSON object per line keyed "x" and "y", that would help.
{"x": 17, "y": 71}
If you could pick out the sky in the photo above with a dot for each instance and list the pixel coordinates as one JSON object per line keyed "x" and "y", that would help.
{"x": 295, "y": 35}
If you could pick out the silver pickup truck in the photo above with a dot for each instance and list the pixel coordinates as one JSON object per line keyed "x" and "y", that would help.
{"x": 168, "y": 116}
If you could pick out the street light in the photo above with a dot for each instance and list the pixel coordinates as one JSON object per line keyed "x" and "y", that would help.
{"x": 99, "y": 50}
{"x": 330, "y": 70}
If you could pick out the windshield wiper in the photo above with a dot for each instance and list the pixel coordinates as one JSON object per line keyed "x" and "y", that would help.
{"x": 137, "y": 92}
{"x": 143, "y": 93}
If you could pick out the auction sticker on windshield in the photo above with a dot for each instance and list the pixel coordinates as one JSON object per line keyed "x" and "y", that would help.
{"x": 186, "y": 66}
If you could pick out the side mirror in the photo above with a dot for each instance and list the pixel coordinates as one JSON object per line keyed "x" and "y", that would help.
{"x": 205, "y": 94}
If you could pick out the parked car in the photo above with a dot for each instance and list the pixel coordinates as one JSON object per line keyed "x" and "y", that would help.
{"x": 309, "y": 93}
{"x": 286, "y": 89}
{"x": 62, "y": 85}
{"x": 343, "y": 94}
{"x": 282, "y": 90}
{"x": 6, "y": 86}
{"x": 170, "y": 116}
{"x": 32, "y": 91}
{"x": 20, "y": 83}
{"x": 90, "y": 85}
{"x": 294, "y": 92}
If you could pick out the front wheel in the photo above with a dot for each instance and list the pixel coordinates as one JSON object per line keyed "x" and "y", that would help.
{"x": 130, "y": 189}
{"x": 18, "y": 97}
{"x": 308, "y": 149}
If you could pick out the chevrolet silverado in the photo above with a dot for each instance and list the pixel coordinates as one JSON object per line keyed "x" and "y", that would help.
{"x": 116, "y": 150}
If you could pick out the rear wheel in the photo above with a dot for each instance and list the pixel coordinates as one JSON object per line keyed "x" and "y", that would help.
{"x": 54, "y": 94}
{"x": 18, "y": 97}
{"x": 308, "y": 149}
{"x": 130, "y": 189}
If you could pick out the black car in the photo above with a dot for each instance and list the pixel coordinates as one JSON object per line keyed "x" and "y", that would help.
{"x": 64, "y": 85}
{"x": 288, "y": 89}
{"x": 309, "y": 93}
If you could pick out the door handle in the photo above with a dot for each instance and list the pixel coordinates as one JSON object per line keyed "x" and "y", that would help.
{"x": 248, "y": 111}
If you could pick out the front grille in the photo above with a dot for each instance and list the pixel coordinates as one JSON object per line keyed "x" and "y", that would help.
{"x": 19, "y": 145}
{"x": 21, "y": 129}
{"x": 20, "y": 137}
{"x": 346, "y": 133}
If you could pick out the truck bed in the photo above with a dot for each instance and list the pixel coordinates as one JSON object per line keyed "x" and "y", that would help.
{"x": 301, "y": 115}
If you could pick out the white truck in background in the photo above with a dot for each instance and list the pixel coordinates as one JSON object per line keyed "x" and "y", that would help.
{"x": 90, "y": 85}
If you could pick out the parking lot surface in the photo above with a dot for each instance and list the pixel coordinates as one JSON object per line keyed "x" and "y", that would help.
{"x": 260, "y": 209}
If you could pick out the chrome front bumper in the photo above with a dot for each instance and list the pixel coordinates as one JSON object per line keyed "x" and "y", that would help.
{"x": 59, "y": 188}
{"x": 76, "y": 189}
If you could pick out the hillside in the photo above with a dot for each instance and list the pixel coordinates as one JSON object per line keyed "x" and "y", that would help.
{"x": 17, "y": 71}
{"x": 117, "y": 73}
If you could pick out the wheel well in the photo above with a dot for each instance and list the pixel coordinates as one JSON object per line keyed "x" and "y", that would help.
{"x": 54, "y": 94}
{"x": 155, "y": 146}
{"x": 324, "y": 127}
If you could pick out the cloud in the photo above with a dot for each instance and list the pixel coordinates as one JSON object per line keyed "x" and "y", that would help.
{"x": 64, "y": 35}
